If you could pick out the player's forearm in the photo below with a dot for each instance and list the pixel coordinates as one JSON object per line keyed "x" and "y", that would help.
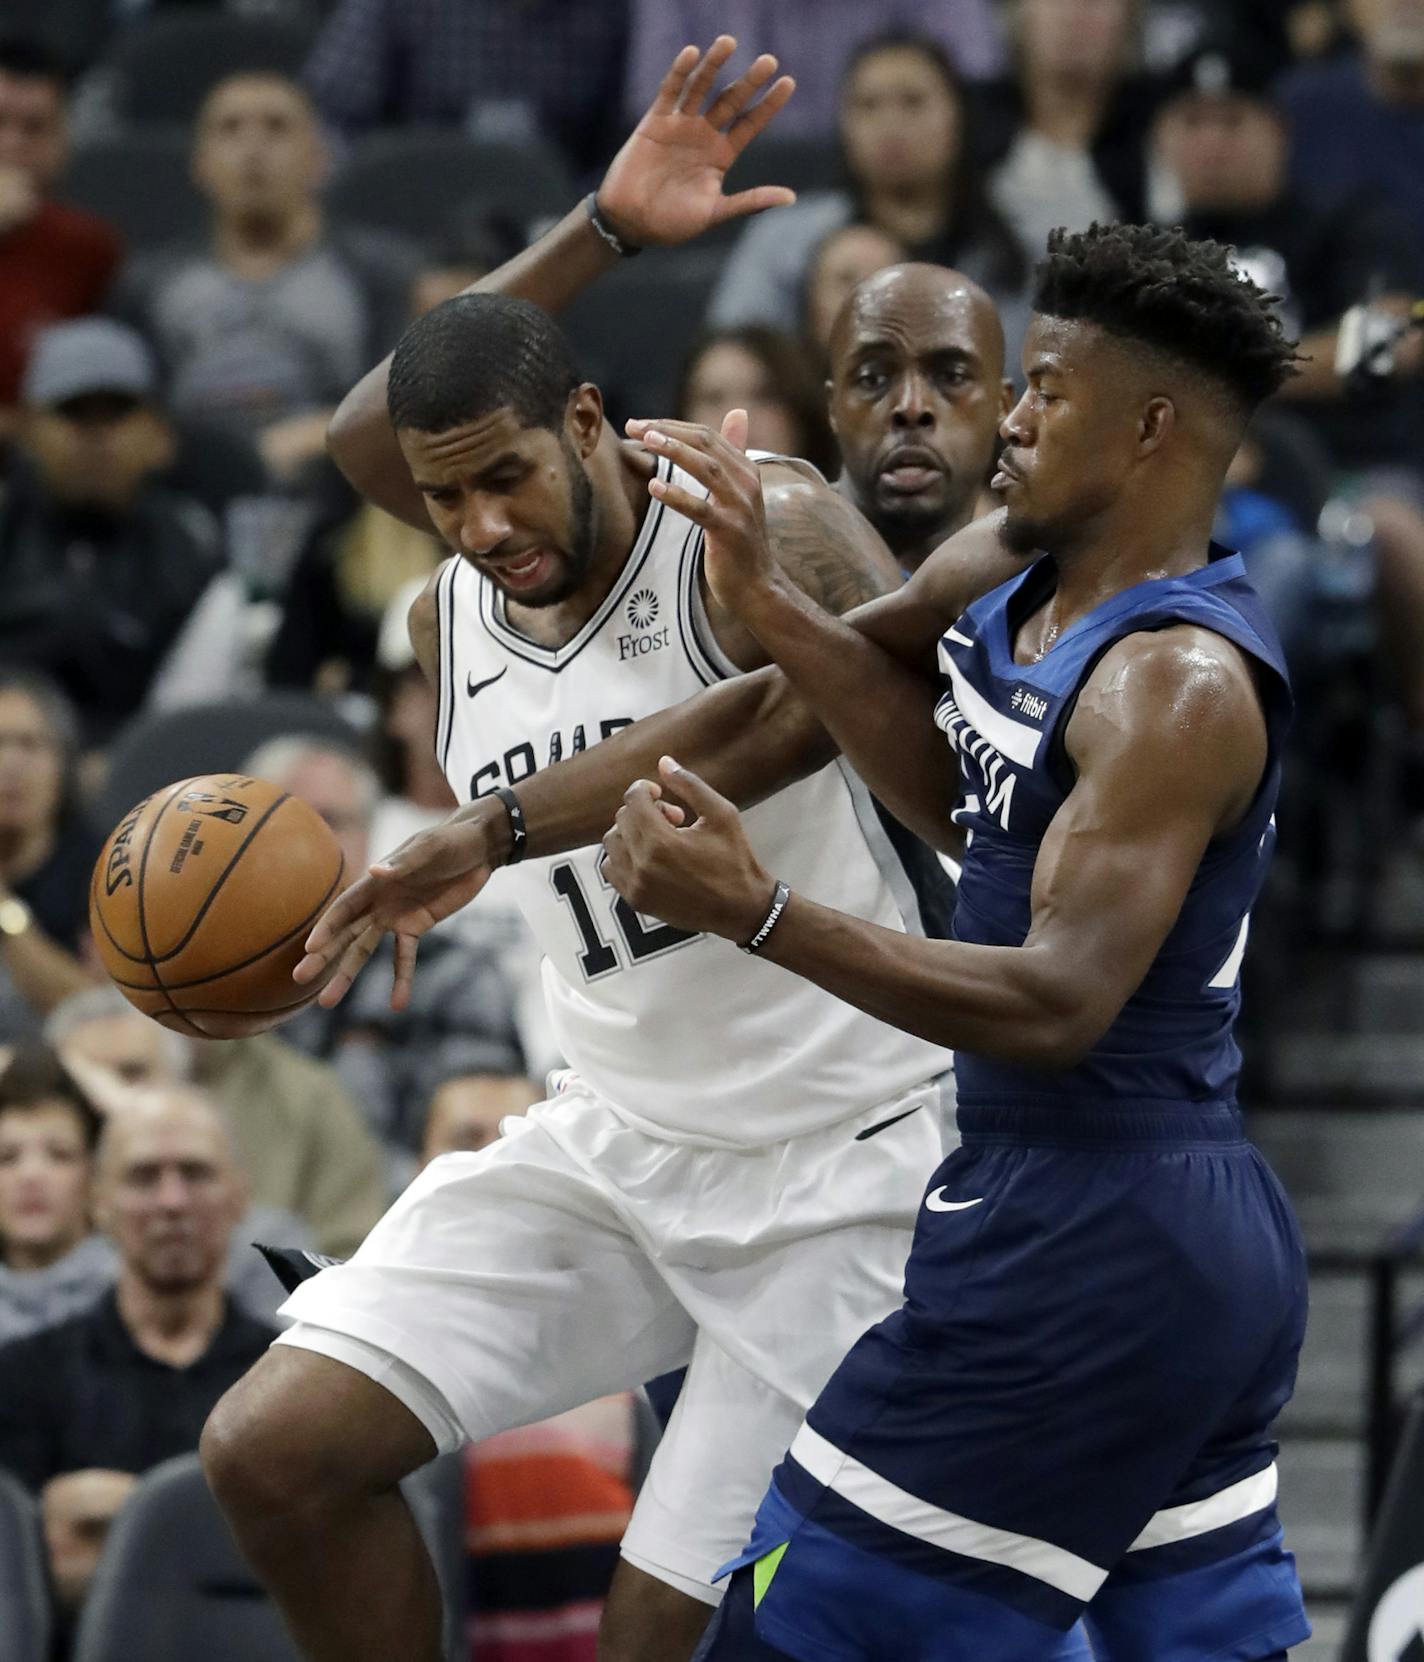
{"x": 879, "y": 712}
{"x": 551, "y": 272}
{"x": 749, "y": 737}
{"x": 1012, "y": 1003}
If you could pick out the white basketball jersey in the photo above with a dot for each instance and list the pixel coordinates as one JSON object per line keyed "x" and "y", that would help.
{"x": 686, "y": 1036}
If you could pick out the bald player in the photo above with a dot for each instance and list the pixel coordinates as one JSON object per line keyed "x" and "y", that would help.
{"x": 917, "y": 392}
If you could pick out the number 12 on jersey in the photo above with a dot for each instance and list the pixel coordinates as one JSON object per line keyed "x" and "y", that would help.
{"x": 598, "y": 955}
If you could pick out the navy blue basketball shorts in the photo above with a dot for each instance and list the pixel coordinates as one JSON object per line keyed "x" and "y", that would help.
{"x": 1063, "y": 1436}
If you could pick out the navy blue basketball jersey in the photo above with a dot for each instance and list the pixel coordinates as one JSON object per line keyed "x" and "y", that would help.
{"x": 1173, "y": 1039}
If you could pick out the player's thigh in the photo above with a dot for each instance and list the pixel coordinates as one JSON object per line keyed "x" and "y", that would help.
{"x": 501, "y": 1288}
{"x": 695, "y": 1509}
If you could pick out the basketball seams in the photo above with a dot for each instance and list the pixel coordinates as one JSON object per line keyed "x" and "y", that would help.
{"x": 256, "y": 957}
{"x": 142, "y": 917}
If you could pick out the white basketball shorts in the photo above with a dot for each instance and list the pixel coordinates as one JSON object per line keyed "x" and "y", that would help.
{"x": 578, "y": 1256}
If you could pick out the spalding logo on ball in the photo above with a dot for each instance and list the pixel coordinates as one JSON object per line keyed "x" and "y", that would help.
{"x": 203, "y": 897}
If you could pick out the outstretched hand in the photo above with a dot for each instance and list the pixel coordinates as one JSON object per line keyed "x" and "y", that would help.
{"x": 699, "y": 875}
{"x": 665, "y": 185}
{"x": 429, "y": 877}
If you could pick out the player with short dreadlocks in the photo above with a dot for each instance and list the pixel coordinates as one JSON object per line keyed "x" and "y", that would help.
{"x": 1070, "y": 1416}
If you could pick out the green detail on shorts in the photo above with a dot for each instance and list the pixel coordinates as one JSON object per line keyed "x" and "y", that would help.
{"x": 764, "y": 1569}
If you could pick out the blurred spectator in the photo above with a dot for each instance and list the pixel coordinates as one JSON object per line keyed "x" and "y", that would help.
{"x": 769, "y": 375}
{"x": 90, "y": 1403}
{"x": 1225, "y": 138}
{"x": 416, "y": 791}
{"x": 1358, "y": 122}
{"x": 550, "y": 68}
{"x": 462, "y": 1015}
{"x": 55, "y": 262}
{"x": 909, "y": 161}
{"x": 100, "y": 566}
{"x": 46, "y": 853}
{"x": 51, "y": 1264}
{"x": 1066, "y": 138}
{"x": 302, "y": 1142}
{"x": 349, "y": 568}
{"x": 466, "y": 1110}
{"x": 265, "y": 326}
{"x": 842, "y": 259}
{"x": 812, "y": 38}
{"x": 471, "y": 245}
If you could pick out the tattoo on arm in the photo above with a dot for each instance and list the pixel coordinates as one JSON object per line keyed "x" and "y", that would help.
{"x": 826, "y": 548}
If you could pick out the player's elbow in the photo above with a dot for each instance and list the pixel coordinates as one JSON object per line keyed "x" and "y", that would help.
{"x": 1065, "y": 1029}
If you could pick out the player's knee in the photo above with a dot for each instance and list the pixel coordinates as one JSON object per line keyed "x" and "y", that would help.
{"x": 273, "y": 1447}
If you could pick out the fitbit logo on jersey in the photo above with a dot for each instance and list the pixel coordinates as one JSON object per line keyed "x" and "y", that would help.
{"x": 1029, "y": 704}
{"x": 642, "y": 612}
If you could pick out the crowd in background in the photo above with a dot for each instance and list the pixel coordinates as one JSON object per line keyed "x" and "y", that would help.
{"x": 202, "y": 246}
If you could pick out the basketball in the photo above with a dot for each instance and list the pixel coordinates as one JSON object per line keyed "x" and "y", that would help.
{"x": 203, "y": 897}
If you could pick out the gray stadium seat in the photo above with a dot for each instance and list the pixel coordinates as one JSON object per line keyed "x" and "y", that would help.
{"x": 633, "y": 329}
{"x": 154, "y": 750}
{"x": 172, "y": 1587}
{"x": 164, "y": 66}
{"x": 412, "y": 180}
{"x": 139, "y": 181}
{"x": 24, "y": 1591}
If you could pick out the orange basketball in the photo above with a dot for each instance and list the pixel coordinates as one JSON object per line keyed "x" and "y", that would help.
{"x": 203, "y": 897}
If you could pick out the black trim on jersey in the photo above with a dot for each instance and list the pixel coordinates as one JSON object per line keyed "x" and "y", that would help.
{"x": 445, "y": 638}
{"x": 689, "y": 567}
{"x": 555, "y": 658}
{"x": 934, "y": 887}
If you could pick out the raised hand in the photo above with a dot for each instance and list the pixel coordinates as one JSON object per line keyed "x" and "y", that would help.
{"x": 429, "y": 877}
{"x": 701, "y": 875}
{"x": 736, "y": 553}
{"x": 665, "y": 185}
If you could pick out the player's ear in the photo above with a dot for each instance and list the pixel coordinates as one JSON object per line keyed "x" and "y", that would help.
{"x": 831, "y": 408}
{"x": 583, "y": 419}
{"x": 1158, "y": 417}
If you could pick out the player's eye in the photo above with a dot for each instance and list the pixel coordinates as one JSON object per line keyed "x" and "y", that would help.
{"x": 870, "y": 378}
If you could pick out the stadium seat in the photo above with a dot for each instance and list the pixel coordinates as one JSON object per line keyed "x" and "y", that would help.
{"x": 632, "y": 330}
{"x": 164, "y": 66}
{"x": 139, "y": 182}
{"x": 24, "y": 1592}
{"x": 154, "y": 750}
{"x": 171, "y": 1585}
{"x": 413, "y": 180}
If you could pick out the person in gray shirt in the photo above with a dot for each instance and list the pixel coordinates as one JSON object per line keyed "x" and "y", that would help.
{"x": 265, "y": 323}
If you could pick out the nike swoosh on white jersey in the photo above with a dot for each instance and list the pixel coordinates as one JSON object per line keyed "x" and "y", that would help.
{"x": 936, "y": 1204}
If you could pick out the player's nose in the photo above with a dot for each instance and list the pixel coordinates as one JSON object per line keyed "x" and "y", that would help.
{"x": 483, "y": 526}
{"x": 1014, "y": 428}
{"x": 913, "y": 406}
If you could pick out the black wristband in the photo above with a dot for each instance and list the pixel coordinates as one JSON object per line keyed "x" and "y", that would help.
{"x": 517, "y": 828}
{"x": 773, "y": 917}
{"x": 624, "y": 250}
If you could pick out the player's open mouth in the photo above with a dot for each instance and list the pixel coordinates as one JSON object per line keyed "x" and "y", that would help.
{"x": 524, "y": 571}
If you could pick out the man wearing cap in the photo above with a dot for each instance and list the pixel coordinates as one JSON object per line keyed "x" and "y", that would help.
{"x": 1227, "y": 140}
{"x": 99, "y": 566}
